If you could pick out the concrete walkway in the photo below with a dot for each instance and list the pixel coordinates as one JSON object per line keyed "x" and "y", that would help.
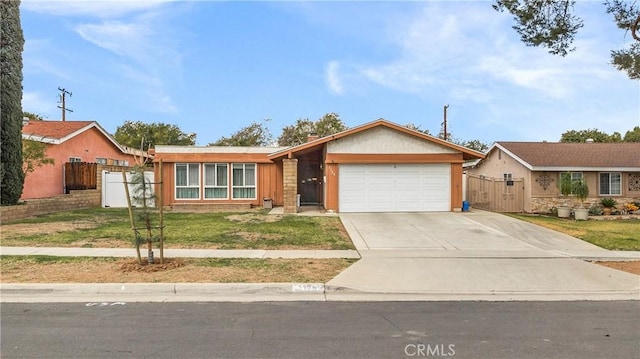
{"x": 405, "y": 256}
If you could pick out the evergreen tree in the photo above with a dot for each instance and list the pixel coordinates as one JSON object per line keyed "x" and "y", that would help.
{"x": 11, "y": 46}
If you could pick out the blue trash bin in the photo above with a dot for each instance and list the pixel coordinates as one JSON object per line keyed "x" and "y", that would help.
{"x": 465, "y": 206}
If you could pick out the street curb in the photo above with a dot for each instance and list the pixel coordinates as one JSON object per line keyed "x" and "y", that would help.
{"x": 154, "y": 292}
{"x": 119, "y": 293}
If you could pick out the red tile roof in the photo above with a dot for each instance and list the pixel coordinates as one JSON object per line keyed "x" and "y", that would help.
{"x": 559, "y": 154}
{"x": 53, "y": 129}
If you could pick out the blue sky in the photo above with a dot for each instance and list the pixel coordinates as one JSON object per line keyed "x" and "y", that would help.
{"x": 213, "y": 67}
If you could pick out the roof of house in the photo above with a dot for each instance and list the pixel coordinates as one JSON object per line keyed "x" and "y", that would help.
{"x": 563, "y": 156}
{"x": 215, "y": 149}
{"x": 57, "y": 132}
{"x": 50, "y": 131}
{"x": 468, "y": 154}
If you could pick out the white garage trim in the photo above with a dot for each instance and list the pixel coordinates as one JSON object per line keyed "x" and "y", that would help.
{"x": 394, "y": 187}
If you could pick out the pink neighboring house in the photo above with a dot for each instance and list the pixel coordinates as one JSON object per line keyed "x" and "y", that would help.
{"x": 69, "y": 141}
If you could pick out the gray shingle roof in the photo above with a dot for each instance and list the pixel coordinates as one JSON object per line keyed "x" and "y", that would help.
{"x": 558, "y": 154}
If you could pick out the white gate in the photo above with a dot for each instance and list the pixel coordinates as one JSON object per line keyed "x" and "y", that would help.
{"x": 113, "y": 193}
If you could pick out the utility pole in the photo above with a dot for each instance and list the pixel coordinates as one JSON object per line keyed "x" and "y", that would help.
{"x": 444, "y": 136}
{"x": 63, "y": 95}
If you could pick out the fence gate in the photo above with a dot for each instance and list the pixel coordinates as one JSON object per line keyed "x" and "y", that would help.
{"x": 113, "y": 193}
{"x": 80, "y": 176}
{"x": 495, "y": 194}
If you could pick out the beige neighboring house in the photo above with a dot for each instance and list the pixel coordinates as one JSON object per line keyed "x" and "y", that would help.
{"x": 532, "y": 170}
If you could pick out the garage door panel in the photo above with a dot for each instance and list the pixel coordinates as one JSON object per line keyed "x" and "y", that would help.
{"x": 394, "y": 188}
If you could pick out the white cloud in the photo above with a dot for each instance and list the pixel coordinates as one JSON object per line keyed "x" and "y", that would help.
{"x": 37, "y": 103}
{"x": 99, "y": 9}
{"x": 332, "y": 77}
{"x": 149, "y": 88}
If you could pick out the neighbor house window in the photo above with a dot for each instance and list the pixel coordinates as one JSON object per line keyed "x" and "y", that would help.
{"x": 244, "y": 180}
{"x": 216, "y": 181}
{"x": 507, "y": 176}
{"x": 187, "y": 180}
{"x": 101, "y": 161}
{"x": 610, "y": 183}
{"x": 75, "y": 159}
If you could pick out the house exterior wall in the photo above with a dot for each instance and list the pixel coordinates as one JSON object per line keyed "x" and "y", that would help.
{"x": 384, "y": 145}
{"x": 545, "y": 200}
{"x": 497, "y": 163}
{"x": 382, "y": 140}
{"x": 269, "y": 177}
{"x": 47, "y": 181}
{"x": 541, "y": 188}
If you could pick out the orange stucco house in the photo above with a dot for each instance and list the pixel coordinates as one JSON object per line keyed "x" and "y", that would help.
{"x": 376, "y": 167}
{"x": 69, "y": 141}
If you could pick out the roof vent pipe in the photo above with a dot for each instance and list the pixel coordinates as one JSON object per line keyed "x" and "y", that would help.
{"x": 589, "y": 140}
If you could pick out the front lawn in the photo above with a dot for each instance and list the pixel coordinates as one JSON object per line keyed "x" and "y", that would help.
{"x": 104, "y": 227}
{"x": 50, "y": 269}
{"x": 609, "y": 234}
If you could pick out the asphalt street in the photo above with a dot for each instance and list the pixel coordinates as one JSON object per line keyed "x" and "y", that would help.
{"x": 322, "y": 330}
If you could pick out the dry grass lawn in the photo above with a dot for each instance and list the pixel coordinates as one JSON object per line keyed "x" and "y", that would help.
{"x": 44, "y": 269}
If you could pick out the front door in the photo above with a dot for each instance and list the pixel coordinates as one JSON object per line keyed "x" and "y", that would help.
{"x": 309, "y": 179}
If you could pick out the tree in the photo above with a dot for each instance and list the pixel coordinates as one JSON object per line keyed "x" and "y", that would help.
{"x": 256, "y": 134}
{"x": 34, "y": 154}
{"x": 415, "y": 127}
{"x": 298, "y": 133}
{"x": 11, "y": 47}
{"x": 476, "y": 145}
{"x": 132, "y": 133}
{"x": 594, "y": 134}
{"x": 32, "y": 116}
{"x": 552, "y": 24}
{"x": 633, "y": 135}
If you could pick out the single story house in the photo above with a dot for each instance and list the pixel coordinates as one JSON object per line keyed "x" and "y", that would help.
{"x": 69, "y": 141}
{"x": 609, "y": 169}
{"x": 376, "y": 167}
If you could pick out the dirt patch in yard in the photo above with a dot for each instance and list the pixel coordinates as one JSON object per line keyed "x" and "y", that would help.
{"x": 630, "y": 266}
{"x": 253, "y": 217}
{"x": 175, "y": 270}
{"x": 28, "y": 229}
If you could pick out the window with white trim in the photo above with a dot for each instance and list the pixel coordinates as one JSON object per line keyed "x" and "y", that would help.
{"x": 101, "y": 161}
{"x": 244, "y": 180}
{"x": 187, "y": 180}
{"x": 75, "y": 159}
{"x": 575, "y": 176}
{"x": 216, "y": 181}
{"x": 610, "y": 183}
{"x": 507, "y": 176}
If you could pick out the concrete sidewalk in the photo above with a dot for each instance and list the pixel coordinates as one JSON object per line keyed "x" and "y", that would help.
{"x": 405, "y": 257}
{"x": 179, "y": 253}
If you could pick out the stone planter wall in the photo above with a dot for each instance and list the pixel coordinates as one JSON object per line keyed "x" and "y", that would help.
{"x": 547, "y": 204}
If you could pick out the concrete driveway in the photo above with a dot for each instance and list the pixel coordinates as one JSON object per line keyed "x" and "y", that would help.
{"x": 476, "y": 255}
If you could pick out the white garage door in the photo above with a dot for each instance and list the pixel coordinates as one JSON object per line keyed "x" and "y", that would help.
{"x": 394, "y": 187}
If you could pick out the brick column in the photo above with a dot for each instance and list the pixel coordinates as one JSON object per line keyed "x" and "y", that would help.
{"x": 290, "y": 184}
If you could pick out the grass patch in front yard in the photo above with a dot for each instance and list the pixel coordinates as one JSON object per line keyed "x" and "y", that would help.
{"x": 609, "y": 234}
{"x": 50, "y": 269}
{"x": 111, "y": 228}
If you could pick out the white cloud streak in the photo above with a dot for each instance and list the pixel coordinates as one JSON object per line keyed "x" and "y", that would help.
{"x": 332, "y": 77}
{"x": 99, "y": 9}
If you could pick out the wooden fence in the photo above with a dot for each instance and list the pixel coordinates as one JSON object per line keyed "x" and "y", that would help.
{"x": 495, "y": 194}
{"x": 80, "y": 175}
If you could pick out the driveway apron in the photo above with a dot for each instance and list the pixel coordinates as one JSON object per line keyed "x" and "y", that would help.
{"x": 476, "y": 255}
